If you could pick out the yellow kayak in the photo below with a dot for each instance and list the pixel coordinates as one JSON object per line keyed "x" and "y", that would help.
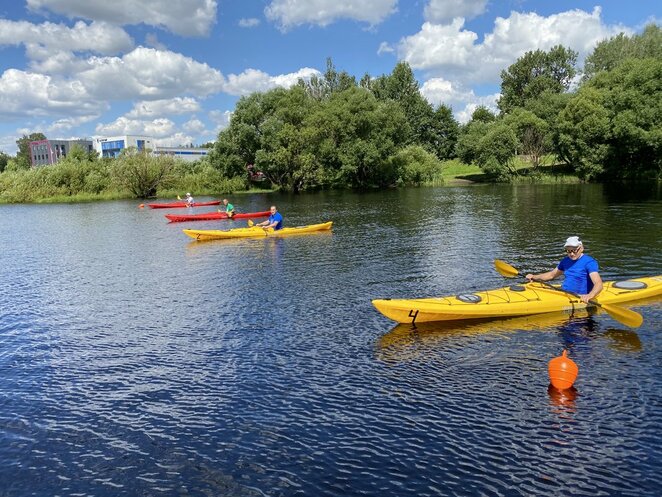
{"x": 255, "y": 232}
{"x": 510, "y": 301}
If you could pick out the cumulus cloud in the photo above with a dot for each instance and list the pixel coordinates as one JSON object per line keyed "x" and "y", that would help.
{"x": 463, "y": 101}
{"x": 439, "y": 11}
{"x": 68, "y": 123}
{"x": 452, "y": 51}
{"x": 43, "y": 41}
{"x": 194, "y": 126}
{"x": 178, "y": 139}
{"x": 30, "y": 94}
{"x": 172, "y": 106}
{"x": 149, "y": 74}
{"x": 292, "y": 13}
{"x": 157, "y": 128}
{"x": 252, "y": 80}
{"x": 182, "y": 17}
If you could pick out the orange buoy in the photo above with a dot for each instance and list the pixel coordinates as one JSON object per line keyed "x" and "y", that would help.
{"x": 562, "y": 371}
{"x": 141, "y": 206}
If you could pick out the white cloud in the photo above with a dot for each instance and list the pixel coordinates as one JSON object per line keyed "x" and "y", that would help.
{"x": 68, "y": 123}
{"x": 149, "y": 74}
{"x": 178, "y": 139}
{"x": 194, "y": 126}
{"x": 291, "y": 13}
{"x": 249, "y": 23}
{"x": 463, "y": 101}
{"x": 220, "y": 118}
{"x": 252, "y": 80}
{"x": 46, "y": 40}
{"x": 30, "y": 94}
{"x": 439, "y": 11}
{"x": 451, "y": 51}
{"x": 182, "y": 17}
{"x": 172, "y": 106}
{"x": 385, "y": 48}
{"x": 157, "y": 128}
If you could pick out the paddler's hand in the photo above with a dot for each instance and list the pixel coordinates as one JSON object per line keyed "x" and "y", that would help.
{"x": 585, "y": 298}
{"x": 530, "y": 277}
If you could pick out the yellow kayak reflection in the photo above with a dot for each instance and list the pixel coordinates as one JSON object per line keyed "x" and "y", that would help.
{"x": 405, "y": 341}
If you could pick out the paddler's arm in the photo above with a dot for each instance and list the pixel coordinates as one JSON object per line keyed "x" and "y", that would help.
{"x": 549, "y": 275}
{"x": 597, "y": 287}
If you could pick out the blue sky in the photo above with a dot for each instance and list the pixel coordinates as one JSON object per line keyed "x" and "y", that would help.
{"x": 174, "y": 69}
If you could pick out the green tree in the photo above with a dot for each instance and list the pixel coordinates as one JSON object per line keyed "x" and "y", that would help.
{"x": 353, "y": 136}
{"x": 141, "y": 173}
{"x": 533, "y": 135}
{"x": 4, "y": 159}
{"x": 483, "y": 114}
{"x": 610, "y": 53}
{"x": 613, "y": 126}
{"x": 534, "y": 74}
{"x": 23, "y": 159}
{"x": 496, "y": 151}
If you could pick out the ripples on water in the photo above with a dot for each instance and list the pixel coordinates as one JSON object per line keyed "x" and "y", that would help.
{"x": 133, "y": 361}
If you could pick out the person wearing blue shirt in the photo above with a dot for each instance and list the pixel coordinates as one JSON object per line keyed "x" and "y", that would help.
{"x": 275, "y": 220}
{"x": 580, "y": 271}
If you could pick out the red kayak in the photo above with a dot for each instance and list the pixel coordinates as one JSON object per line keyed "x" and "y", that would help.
{"x": 208, "y": 216}
{"x": 175, "y": 205}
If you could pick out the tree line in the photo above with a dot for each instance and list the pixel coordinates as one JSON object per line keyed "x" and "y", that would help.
{"x": 334, "y": 131}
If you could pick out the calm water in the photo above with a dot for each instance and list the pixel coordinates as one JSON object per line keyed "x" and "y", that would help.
{"x": 134, "y": 361}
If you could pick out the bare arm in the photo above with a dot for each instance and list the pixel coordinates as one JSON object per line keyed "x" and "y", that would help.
{"x": 597, "y": 287}
{"x": 549, "y": 275}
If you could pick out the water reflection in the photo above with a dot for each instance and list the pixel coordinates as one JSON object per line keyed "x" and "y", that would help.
{"x": 623, "y": 340}
{"x": 406, "y": 341}
{"x": 564, "y": 400}
{"x": 578, "y": 330}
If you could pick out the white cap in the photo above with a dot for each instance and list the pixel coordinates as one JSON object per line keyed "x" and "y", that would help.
{"x": 573, "y": 241}
{"x": 188, "y": 194}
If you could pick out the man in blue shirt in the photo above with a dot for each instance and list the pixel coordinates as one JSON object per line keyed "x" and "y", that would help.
{"x": 275, "y": 220}
{"x": 580, "y": 270}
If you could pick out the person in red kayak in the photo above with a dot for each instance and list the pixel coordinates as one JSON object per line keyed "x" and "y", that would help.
{"x": 189, "y": 200}
{"x": 580, "y": 271}
{"x": 275, "y": 220}
{"x": 229, "y": 208}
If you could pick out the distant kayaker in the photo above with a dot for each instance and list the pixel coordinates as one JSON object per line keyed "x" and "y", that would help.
{"x": 275, "y": 220}
{"x": 580, "y": 270}
{"x": 189, "y": 200}
{"x": 229, "y": 208}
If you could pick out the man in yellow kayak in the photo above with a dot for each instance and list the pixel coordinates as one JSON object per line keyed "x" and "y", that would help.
{"x": 229, "y": 208}
{"x": 580, "y": 270}
{"x": 275, "y": 220}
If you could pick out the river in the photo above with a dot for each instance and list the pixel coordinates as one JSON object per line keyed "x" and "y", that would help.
{"x": 135, "y": 361}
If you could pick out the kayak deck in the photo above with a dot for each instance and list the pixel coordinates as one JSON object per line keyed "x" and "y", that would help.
{"x": 516, "y": 300}
{"x": 255, "y": 232}
{"x": 178, "y": 205}
{"x": 211, "y": 216}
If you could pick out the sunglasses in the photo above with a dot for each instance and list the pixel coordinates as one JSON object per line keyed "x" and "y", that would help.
{"x": 573, "y": 251}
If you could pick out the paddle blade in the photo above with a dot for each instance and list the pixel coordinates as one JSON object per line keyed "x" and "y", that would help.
{"x": 626, "y": 316}
{"x": 505, "y": 269}
{"x": 250, "y": 222}
{"x": 178, "y": 197}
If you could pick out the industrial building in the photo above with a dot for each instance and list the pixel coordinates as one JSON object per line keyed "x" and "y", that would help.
{"x": 46, "y": 152}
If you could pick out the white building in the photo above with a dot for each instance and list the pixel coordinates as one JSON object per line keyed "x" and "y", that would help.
{"x": 112, "y": 146}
